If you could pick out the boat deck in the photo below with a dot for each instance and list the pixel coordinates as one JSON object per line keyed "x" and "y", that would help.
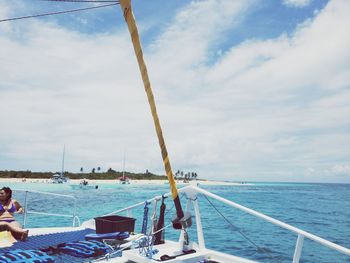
{"x": 172, "y": 251}
{"x": 44, "y": 237}
{"x": 168, "y": 252}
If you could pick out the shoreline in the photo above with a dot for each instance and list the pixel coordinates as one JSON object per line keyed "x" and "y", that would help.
{"x": 136, "y": 181}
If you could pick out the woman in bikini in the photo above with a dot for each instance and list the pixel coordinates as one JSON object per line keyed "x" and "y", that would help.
{"x": 8, "y": 207}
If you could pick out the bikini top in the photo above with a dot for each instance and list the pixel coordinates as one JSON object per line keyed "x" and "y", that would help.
{"x": 11, "y": 209}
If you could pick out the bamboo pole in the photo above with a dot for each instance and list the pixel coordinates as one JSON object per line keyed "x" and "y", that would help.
{"x": 130, "y": 20}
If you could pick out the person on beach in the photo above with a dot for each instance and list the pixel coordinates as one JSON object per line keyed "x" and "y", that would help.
{"x": 8, "y": 207}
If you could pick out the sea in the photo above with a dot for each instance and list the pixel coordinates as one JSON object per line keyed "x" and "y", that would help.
{"x": 321, "y": 209}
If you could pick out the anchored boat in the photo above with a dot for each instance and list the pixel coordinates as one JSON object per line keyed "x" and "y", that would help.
{"x": 112, "y": 238}
{"x": 59, "y": 178}
{"x": 83, "y": 185}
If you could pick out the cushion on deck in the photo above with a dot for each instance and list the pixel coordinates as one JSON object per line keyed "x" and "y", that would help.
{"x": 46, "y": 240}
{"x": 84, "y": 249}
{"x": 25, "y": 256}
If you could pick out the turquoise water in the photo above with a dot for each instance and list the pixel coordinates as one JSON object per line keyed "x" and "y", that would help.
{"x": 322, "y": 209}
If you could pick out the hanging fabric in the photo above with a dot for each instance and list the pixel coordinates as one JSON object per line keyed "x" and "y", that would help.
{"x": 154, "y": 218}
{"x": 159, "y": 236}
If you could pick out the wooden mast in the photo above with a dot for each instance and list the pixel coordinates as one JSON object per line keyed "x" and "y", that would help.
{"x": 130, "y": 20}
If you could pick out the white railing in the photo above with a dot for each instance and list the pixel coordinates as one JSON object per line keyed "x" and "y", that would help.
{"x": 191, "y": 193}
{"x": 75, "y": 218}
{"x": 301, "y": 233}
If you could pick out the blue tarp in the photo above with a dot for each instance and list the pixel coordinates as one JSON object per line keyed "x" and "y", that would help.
{"x": 44, "y": 241}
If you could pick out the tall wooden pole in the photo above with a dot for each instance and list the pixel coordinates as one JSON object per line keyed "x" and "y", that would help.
{"x": 130, "y": 20}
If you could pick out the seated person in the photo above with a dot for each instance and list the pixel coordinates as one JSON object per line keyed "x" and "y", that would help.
{"x": 8, "y": 207}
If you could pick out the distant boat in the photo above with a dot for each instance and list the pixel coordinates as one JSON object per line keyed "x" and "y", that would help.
{"x": 83, "y": 185}
{"x": 59, "y": 178}
{"x": 124, "y": 179}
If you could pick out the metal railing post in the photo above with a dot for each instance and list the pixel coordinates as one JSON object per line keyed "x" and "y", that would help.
{"x": 75, "y": 212}
{"x": 298, "y": 248}
{"x": 182, "y": 234}
{"x": 129, "y": 213}
{"x": 76, "y": 220}
{"x": 276, "y": 222}
{"x": 200, "y": 236}
{"x": 25, "y": 209}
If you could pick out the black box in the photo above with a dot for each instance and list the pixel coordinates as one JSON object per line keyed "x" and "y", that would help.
{"x": 110, "y": 224}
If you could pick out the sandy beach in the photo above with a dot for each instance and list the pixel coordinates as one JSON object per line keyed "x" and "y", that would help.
{"x": 140, "y": 182}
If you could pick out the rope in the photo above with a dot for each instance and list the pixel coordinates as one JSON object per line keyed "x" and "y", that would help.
{"x": 56, "y": 13}
{"x": 83, "y": 1}
{"x": 146, "y": 247}
{"x": 145, "y": 218}
{"x": 259, "y": 249}
{"x": 137, "y": 240}
{"x": 154, "y": 218}
{"x": 182, "y": 195}
{"x": 169, "y": 225}
{"x": 118, "y": 252}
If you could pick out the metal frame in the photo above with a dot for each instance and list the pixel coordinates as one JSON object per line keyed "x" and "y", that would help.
{"x": 75, "y": 218}
{"x": 301, "y": 233}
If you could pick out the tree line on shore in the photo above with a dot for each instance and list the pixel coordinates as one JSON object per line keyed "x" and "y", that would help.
{"x": 110, "y": 174}
{"x": 186, "y": 176}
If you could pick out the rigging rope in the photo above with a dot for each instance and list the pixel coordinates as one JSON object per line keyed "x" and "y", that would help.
{"x": 57, "y": 13}
{"x": 145, "y": 218}
{"x": 166, "y": 212}
{"x": 83, "y": 1}
{"x": 154, "y": 218}
{"x": 259, "y": 249}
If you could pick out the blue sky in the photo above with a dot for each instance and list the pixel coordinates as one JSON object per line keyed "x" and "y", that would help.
{"x": 246, "y": 90}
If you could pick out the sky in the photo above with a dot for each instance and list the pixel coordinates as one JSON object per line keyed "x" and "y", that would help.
{"x": 246, "y": 90}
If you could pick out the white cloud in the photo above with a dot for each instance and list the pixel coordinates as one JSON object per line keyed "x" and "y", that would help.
{"x": 297, "y": 3}
{"x": 341, "y": 169}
